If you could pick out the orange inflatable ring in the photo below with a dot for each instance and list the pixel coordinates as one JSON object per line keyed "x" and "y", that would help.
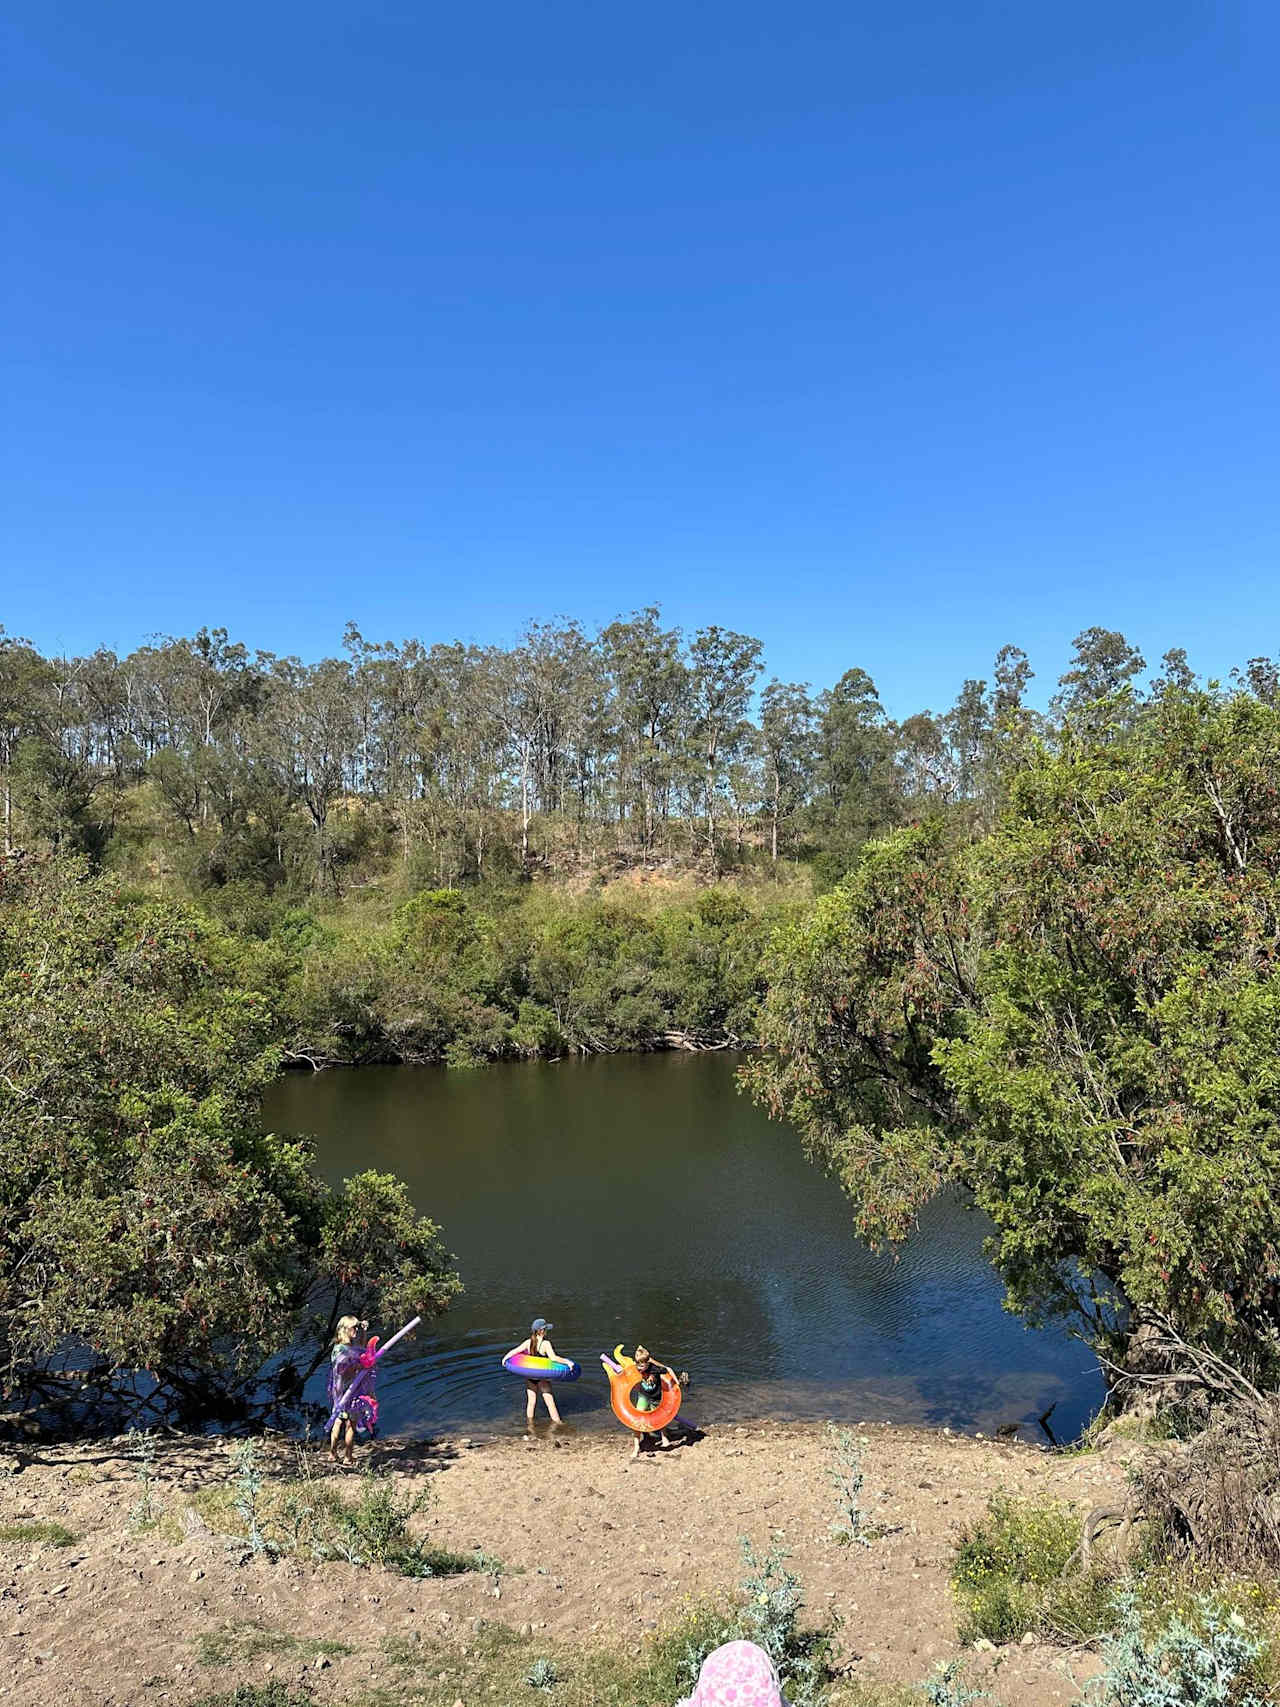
{"x": 623, "y": 1377}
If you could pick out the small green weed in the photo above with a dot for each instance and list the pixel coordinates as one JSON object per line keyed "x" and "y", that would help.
{"x": 946, "y": 1688}
{"x": 145, "y": 1510}
{"x": 39, "y": 1534}
{"x": 316, "y": 1520}
{"x": 846, "y": 1473}
{"x": 235, "y": 1643}
{"x": 255, "y": 1695}
{"x": 542, "y": 1674}
{"x": 1011, "y": 1574}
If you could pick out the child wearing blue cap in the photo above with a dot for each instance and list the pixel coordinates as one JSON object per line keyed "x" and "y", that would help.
{"x": 538, "y": 1345}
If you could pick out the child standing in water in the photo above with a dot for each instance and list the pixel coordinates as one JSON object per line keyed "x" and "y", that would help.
{"x": 538, "y": 1345}
{"x": 648, "y": 1395}
{"x": 345, "y": 1364}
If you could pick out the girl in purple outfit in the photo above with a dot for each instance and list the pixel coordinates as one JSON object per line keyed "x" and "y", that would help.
{"x": 345, "y": 1364}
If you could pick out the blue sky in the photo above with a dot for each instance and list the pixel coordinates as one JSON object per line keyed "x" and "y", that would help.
{"x": 886, "y": 334}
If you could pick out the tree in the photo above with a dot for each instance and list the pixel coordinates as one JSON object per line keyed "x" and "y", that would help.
{"x": 856, "y": 780}
{"x": 1075, "y": 1019}
{"x": 649, "y": 683}
{"x": 1261, "y": 676}
{"x": 724, "y": 665}
{"x": 147, "y": 1222}
{"x": 23, "y": 677}
{"x": 314, "y": 736}
{"x": 1012, "y": 672}
{"x": 787, "y": 742}
{"x": 1103, "y": 666}
{"x": 1178, "y": 674}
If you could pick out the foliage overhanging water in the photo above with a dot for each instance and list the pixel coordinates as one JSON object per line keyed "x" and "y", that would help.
{"x": 641, "y": 1197}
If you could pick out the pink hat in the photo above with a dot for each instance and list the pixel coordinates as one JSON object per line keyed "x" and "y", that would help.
{"x": 737, "y": 1675}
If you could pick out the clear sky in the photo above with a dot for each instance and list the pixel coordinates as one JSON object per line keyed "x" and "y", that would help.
{"x": 888, "y": 333}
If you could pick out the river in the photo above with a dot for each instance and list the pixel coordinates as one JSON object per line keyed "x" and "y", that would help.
{"x": 642, "y": 1197}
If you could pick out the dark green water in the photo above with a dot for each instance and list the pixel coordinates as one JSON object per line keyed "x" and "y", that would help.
{"x": 641, "y": 1197}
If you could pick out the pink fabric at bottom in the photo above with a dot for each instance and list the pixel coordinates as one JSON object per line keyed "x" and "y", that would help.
{"x": 737, "y": 1675}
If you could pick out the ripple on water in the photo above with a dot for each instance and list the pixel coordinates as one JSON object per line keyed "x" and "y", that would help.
{"x": 632, "y": 1197}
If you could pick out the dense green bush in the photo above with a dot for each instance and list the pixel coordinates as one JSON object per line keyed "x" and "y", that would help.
{"x": 1074, "y": 1018}
{"x": 1012, "y": 1574}
{"x": 147, "y": 1221}
{"x": 470, "y": 977}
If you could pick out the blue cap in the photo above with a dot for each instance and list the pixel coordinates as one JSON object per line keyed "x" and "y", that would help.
{"x": 541, "y": 1325}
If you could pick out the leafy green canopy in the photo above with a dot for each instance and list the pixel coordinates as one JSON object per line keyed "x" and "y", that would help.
{"x": 1075, "y": 1018}
{"x": 145, "y": 1217}
{"x": 472, "y": 977}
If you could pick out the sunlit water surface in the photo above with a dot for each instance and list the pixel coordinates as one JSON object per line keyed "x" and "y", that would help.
{"x": 642, "y": 1197}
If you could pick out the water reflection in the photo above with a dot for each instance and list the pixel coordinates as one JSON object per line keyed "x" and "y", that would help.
{"x": 635, "y": 1198}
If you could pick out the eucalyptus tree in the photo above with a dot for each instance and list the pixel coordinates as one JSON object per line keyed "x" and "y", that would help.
{"x": 311, "y": 735}
{"x": 55, "y": 761}
{"x": 787, "y": 745}
{"x": 530, "y": 690}
{"x": 926, "y": 763}
{"x": 723, "y": 669}
{"x": 857, "y": 791}
{"x": 1011, "y": 673}
{"x": 1103, "y": 665}
{"x": 1260, "y": 676}
{"x": 586, "y": 732}
{"x": 460, "y": 748}
{"x": 649, "y": 695}
{"x": 562, "y": 670}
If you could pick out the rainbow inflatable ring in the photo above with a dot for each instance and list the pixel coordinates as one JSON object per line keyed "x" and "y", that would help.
{"x": 531, "y": 1368}
{"x": 623, "y": 1380}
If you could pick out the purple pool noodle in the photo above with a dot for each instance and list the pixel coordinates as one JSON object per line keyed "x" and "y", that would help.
{"x": 363, "y": 1362}
{"x": 351, "y": 1390}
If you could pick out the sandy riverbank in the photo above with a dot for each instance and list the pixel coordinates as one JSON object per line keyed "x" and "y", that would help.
{"x": 596, "y": 1552}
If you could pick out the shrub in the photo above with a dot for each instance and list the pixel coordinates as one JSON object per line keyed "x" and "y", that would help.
{"x": 945, "y": 1688}
{"x": 846, "y": 1474}
{"x": 766, "y": 1611}
{"x": 315, "y": 1520}
{"x": 542, "y": 1675}
{"x": 248, "y": 1495}
{"x": 145, "y": 1510}
{"x": 1211, "y": 1662}
{"x": 1027, "y": 1541}
{"x": 1011, "y": 1574}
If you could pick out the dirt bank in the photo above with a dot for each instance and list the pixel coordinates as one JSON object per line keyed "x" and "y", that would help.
{"x": 596, "y": 1551}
